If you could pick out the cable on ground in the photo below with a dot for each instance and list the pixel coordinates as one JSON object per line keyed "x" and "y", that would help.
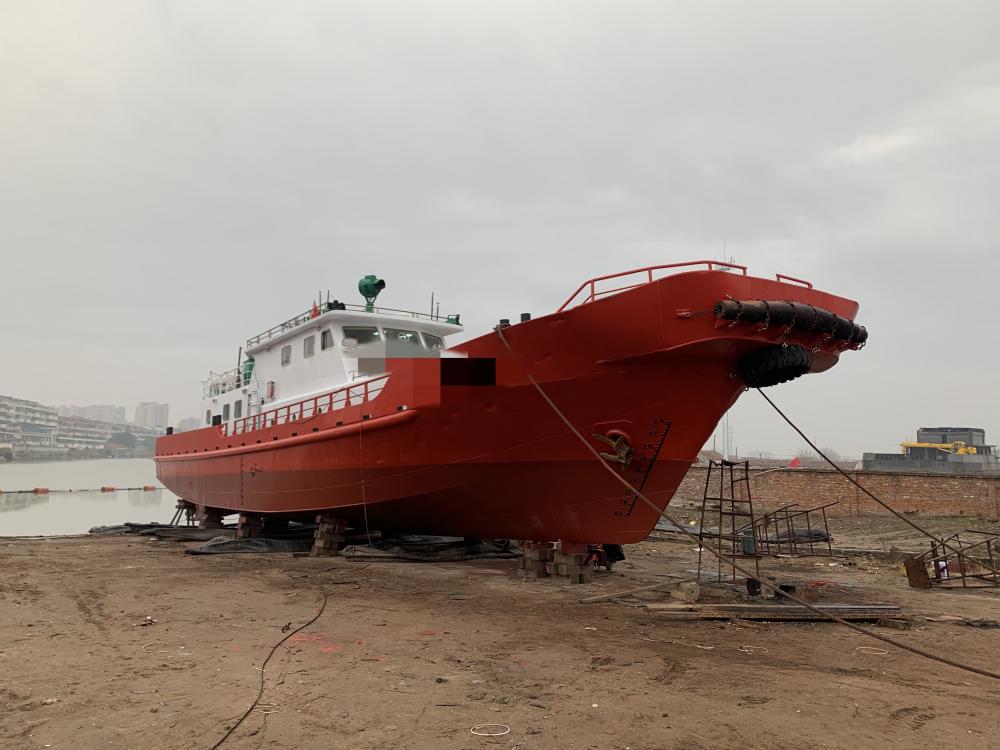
{"x": 260, "y": 690}
{"x": 725, "y": 558}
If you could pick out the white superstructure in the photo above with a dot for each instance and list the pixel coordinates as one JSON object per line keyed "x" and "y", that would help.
{"x": 326, "y": 348}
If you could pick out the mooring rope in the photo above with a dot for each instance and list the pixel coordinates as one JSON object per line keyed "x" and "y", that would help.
{"x": 856, "y": 483}
{"x": 725, "y": 558}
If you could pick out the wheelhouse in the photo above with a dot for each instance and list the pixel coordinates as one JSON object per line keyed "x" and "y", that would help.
{"x": 320, "y": 351}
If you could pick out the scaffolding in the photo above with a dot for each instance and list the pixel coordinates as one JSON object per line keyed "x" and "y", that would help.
{"x": 736, "y": 536}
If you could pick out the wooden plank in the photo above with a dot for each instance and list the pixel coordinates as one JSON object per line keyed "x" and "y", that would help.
{"x": 773, "y": 611}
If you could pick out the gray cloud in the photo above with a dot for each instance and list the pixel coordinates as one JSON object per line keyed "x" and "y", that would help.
{"x": 177, "y": 176}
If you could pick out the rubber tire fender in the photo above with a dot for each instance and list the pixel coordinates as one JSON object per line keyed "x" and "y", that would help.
{"x": 774, "y": 364}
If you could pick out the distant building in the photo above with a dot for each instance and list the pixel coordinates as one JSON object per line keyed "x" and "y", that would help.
{"x": 152, "y": 415}
{"x": 84, "y": 435}
{"x": 29, "y": 428}
{"x": 188, "y": 424}
{"x": 940, "y": 450}
{"x": 96, "y": 412}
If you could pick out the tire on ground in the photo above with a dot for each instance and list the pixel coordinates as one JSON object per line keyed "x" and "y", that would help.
{"x": 773, "y": 365}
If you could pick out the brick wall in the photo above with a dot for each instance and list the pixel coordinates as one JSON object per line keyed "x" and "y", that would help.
{"x": 929, "y": 493}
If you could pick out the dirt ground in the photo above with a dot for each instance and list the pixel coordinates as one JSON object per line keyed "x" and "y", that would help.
{"x": 415, "y": 655}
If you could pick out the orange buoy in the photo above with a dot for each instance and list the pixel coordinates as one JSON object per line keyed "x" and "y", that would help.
{"x": 107, "y": 489}
{"x": 41, "y": 491}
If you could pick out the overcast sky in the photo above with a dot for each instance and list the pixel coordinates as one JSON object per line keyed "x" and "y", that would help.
{"x": 175, "y": 177}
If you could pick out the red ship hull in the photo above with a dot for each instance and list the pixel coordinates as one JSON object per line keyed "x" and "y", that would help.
{"x": 491, "y": 458}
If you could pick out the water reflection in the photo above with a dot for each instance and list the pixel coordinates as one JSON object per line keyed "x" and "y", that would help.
{"x": 143, "y": 499}
{"x": 20, "y": 500}
{"x": 25, "y": 514}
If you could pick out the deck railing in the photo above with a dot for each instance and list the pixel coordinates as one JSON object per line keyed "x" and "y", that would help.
{"x": 221, "y": 382}
{"x": 593, "y": 293}
{"x": 310, "y": 316}
{"x": 344, "y": 396}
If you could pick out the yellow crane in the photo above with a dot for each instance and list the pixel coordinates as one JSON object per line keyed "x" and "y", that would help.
{"x": 958, "y": 447}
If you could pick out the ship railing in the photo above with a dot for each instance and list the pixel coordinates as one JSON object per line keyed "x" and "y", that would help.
{"x": 221, "y": 382}
{"x": 347, "y": 395}
{"x": 311, "y": 315}
{"x": 589, "y": 289}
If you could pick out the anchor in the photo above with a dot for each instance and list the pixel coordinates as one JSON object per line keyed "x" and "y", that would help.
{"x": 622, "y": 450}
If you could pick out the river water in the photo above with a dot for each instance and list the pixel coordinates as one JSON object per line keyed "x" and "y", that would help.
{"x": 65, "y": 512}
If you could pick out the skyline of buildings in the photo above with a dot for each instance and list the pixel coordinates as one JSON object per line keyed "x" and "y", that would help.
{"x": 152, "y": 414}
{"x": 31, "y": 430}
{"x": 97, "y": 412}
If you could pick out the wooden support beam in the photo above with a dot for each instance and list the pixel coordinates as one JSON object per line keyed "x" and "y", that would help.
{"x": 626, "y": 592}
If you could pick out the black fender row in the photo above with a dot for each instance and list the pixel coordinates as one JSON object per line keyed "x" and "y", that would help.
{"x": 798, "y": 316}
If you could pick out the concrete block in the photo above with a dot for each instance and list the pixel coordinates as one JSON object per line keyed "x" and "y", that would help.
{"x": 579, "y": 558}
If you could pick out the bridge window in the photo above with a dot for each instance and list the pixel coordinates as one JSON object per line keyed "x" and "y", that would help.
{"x": 433, "y": 342}
{"x": 326, "y": 339}
{"x": 308, "y": 346}
{"x": 400, "y": 343}
{"x": 286, "y": 355}
{"x": 362, "y": 334}
{"x": 208, "y": 416}
{"x": 225, "y": 412}
{"x": 238, "y": 409}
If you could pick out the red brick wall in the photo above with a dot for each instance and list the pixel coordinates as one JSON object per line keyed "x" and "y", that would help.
{"x": 929, "y": 493}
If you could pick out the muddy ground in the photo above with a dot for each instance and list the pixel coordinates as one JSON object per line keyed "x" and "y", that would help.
{"x": 415, "y": 655}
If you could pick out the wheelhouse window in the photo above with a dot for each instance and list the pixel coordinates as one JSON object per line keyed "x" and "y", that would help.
{"x": 435, "y": 343}
{"x": 326, "y": 339}
{"x": 400, "y": 343}
{"x": 238, "y": 409}
{"x": 362, "y": 334}
{"x": 225, "y": 412}
{"x": 308, "y": 346}
{"x": 286, "y": 355}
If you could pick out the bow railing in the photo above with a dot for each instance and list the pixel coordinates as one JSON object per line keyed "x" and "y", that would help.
{"x": 593, "y": 293}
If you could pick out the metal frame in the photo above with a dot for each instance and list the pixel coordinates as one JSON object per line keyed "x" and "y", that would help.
{"x": 783, "y": 520}
{"x": 955, "y": 562}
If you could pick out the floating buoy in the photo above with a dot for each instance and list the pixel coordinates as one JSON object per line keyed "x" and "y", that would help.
{"x": 107, "y": 489}
{"x": 148, "y": 487}
{"x": 41, "y": 490}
